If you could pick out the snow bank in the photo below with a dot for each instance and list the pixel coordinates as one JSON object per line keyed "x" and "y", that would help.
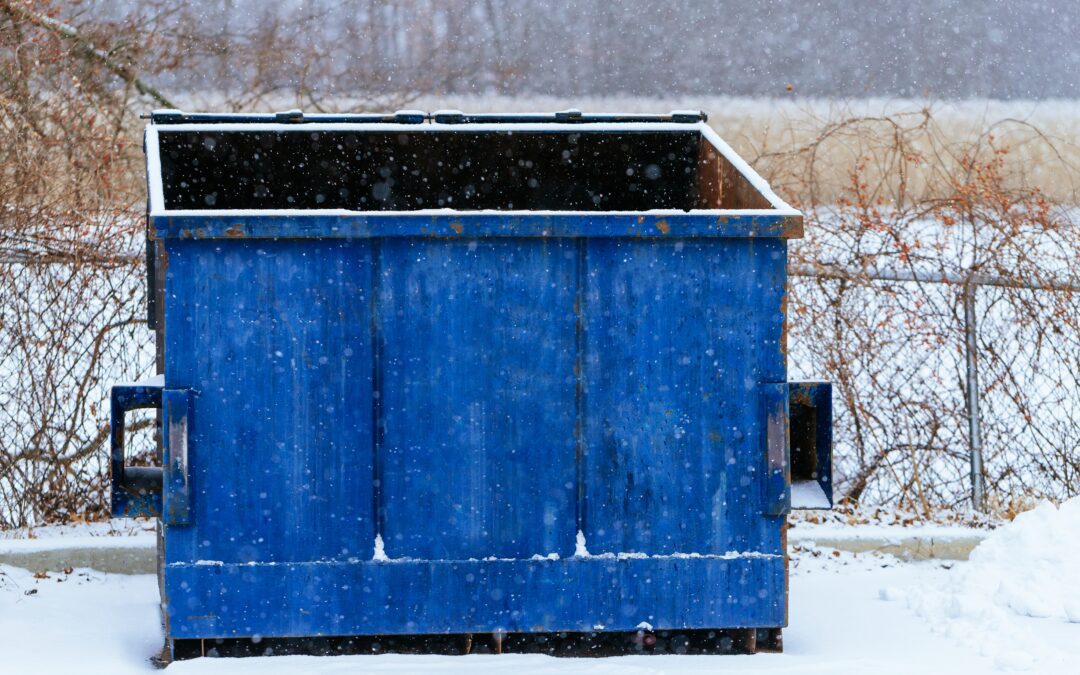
{"x": 114, "y": 534}
{"x": 1017, "y": 600}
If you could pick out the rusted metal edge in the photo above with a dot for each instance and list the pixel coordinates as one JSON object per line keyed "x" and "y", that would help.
{"x": 474, "y": 224}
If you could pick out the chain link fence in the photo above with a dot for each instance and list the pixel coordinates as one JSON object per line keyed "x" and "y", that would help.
{"x": 948, "y": 319}
{"x": 904, "y": 220}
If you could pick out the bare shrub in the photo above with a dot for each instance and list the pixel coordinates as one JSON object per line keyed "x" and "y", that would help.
{"x": 895, "y": 349}
{"x": 72, "y": 301}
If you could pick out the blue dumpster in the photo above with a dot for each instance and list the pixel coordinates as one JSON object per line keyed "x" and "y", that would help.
{"x": 497, "y": 379}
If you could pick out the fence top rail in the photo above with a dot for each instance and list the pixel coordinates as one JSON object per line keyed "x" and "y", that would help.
{"x": 839, "y": 271}
{"x": 815, "y": 270}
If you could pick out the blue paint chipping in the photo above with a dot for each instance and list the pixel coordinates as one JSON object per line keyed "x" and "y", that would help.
{"x": 401, "y": 423}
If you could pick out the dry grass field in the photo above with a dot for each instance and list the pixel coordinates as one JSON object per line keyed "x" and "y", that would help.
{"x": 795, "y": 141}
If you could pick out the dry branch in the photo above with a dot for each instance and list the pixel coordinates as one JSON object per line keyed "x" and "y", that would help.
{"x": 19, "y": 11}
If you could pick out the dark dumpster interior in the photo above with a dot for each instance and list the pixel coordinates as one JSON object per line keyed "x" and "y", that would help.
{"x": 463, "y": 170}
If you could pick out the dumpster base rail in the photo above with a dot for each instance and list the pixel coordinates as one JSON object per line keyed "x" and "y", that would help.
{"x": 724, "y": 641}
{"x": 220, "y": 600}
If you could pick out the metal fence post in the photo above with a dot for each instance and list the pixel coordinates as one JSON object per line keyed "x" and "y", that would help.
{"x": 974, "y": 426}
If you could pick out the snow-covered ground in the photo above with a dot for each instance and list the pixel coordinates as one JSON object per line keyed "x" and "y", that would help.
{"x": 1014, "y": 606}
{"x": 117, "y": 533}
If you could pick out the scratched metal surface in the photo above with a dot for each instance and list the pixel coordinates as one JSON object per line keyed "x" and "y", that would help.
{"x": 681, "y": 336}
{"x": 477, "y": 397}
{"x": 466, "y": 399}
{"x": 662, "y": 225}
{"x": 275, "y": 339}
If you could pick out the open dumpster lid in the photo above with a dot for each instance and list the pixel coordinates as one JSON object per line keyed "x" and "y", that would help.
{"x": 449, "y": 162}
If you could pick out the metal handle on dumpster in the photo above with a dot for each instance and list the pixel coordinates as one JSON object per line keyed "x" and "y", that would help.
{"x": 176, "y": 418}
{"x": 810, "y": 444}
{"x": 774, "y": 402}
{"x": 136, "y": 491}
{"x": 152, "y": 491}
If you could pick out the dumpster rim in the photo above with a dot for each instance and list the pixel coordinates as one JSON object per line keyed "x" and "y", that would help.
{"x": 757, "y": 182}
{"x": 466, "y": 225}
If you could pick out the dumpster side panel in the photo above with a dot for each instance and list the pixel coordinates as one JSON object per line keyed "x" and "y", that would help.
{"x": 273, "y": 337}
{"x": 477, "y": 397}
{"x": 680, "y": 337}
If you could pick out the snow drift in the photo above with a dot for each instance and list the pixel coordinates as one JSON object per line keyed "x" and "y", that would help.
{"x": 1018, "y": 596}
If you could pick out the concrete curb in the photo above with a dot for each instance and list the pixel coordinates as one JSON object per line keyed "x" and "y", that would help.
{"x": 113, "y": 560}
{"x": 953, "y": 547}
{"x": 130, "y": 557}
